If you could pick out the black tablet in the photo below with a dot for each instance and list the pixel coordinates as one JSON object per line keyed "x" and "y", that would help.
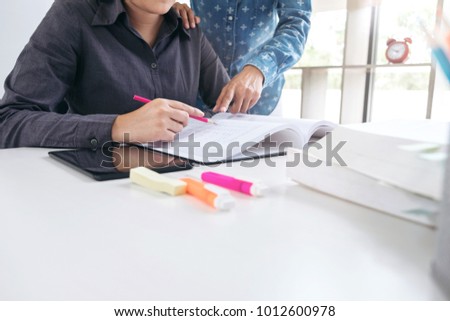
{"x": 117, "y": 161}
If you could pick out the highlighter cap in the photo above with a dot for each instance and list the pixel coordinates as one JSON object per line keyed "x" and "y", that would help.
{"x": 258, "y": 189}
{"x": 224, "y": 202}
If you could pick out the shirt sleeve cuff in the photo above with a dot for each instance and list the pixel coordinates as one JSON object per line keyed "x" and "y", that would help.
{"x": 267, "y": 65}
{"x": 95, "y": 132}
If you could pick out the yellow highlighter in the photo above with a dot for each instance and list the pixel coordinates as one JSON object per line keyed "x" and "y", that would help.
{"x": 157, "y": 182}
{"x": 210, "y": 194}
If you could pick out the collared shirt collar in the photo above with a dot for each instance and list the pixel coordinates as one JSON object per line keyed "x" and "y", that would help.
{"x": 108, "y": 11}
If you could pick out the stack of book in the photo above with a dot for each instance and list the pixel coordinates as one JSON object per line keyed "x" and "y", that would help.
{"x": 396, "y": 167}
{"x": 441, "y": 263}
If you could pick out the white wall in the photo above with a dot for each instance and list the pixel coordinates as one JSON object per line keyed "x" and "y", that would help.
{"x": 18, "y": 20}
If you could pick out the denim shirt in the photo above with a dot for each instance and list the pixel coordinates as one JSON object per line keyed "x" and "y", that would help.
{"x": 269, "y": 35}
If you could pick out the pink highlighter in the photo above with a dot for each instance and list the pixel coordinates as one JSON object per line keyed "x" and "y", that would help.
{"x": 234, "y": 184}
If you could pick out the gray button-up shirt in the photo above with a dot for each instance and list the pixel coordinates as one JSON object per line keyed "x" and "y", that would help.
{"x": 83, "y": 65}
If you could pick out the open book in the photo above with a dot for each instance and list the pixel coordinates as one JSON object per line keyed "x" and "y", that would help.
{"x": 241, "y": 136}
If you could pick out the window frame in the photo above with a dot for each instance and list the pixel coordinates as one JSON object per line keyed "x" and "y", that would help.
{"x": 358, "y": 73}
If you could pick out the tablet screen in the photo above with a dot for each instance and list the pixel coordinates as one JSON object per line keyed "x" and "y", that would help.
{"x": 116, "y": 161}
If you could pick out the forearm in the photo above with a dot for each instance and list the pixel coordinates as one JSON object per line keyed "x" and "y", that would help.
{"x": 286, "y": 47}
{"x": 31, "y": 128}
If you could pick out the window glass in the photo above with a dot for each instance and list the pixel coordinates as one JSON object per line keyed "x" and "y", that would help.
{"x": 399, "y": 19}
{"x": 291, "y": 98}
{"x": 400, "y": 93}
{"x": 334, "y": 91}
{"x": 325, "y": 46}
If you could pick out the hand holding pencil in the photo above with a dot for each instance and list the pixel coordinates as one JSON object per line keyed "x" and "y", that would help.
{"x": 146, "y": 100}
{"x": 158, "y": 120}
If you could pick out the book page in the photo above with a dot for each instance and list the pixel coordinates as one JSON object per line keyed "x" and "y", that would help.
{"x": 306, "y": 128}
{"x": 236, "y": 136}
{"x": 223, "y": 140}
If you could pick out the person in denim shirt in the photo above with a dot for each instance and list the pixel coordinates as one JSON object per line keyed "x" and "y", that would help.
{"x": 257, "y": 41}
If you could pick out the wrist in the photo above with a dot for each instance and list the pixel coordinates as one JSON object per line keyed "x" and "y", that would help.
{"x": 116, "y": 130}
{"x": 255, "y": 72}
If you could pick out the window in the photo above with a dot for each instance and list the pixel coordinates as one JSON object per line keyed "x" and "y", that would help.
{"x": 345, "y": 76}
{"x": 402, "y": 92}
{"x": 320, "y": 68}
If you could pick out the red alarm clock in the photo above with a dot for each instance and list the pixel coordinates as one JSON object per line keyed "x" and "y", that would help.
{"x": 397, "y": 51}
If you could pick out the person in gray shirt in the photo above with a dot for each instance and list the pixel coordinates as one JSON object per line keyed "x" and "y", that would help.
{"x": 73, "y": 84}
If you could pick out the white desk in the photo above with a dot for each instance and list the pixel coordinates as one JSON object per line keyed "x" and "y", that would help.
{"x": 64, "y": 236}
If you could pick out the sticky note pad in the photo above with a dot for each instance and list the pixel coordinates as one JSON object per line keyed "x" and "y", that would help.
{"x": 157, "y": 182}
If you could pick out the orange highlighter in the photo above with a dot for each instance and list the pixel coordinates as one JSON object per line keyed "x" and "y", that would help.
{"x": 210, "y": 194}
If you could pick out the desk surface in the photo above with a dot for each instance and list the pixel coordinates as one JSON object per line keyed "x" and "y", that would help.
{"x": 66, "y": 237}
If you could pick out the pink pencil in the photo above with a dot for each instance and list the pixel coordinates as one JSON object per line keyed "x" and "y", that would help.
{"x": 145, "y": 100}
